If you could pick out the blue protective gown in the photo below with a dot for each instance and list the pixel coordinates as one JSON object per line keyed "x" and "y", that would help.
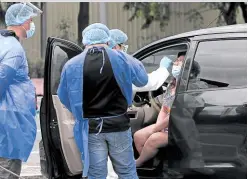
{"x": 127, "y": 71}
{"x": 17, "y": 102}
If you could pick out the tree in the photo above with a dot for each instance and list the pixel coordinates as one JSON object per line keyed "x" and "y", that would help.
{"x": 83, "y": 19}
{"x": 161, "y": 12}
{"x": 64, "y": 28}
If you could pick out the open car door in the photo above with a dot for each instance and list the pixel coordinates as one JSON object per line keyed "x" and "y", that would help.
{"x": 61, "y": 158}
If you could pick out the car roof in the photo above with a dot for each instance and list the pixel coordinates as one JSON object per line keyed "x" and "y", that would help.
{"x": 208, "y": 31}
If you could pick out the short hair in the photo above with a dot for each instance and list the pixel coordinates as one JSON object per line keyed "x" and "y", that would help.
{"x": 196, "y": 69}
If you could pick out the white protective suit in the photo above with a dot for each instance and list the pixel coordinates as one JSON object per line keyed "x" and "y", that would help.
{"x": 155, "y": 80}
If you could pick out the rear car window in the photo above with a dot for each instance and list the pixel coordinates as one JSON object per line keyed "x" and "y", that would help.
{"x": 220, "y": 63}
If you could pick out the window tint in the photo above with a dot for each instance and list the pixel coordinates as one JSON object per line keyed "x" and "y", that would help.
{"x": 220, "y": 63}
{"x": 61, "y": 55}
{"x": 152, "y": 62}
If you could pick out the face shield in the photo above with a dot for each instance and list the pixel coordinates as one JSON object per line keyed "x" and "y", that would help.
{"x": 36, "y": 10}
{"x": 19, "y": 13}
{"x": 28, "y": 10}
{"x": 124, "y": 47}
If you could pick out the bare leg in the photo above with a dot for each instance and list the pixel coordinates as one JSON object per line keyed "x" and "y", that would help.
{"x": 141, "y": 136}
{"x": 150, "y": 149}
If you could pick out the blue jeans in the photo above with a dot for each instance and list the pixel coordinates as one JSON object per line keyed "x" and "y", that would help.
{"x": 118, "y": 145}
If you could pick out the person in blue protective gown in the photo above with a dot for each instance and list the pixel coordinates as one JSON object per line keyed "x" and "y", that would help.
{"x": 96, "y": 86}
{"x": 17, "y": 93}
{"x": 155, "y": 79}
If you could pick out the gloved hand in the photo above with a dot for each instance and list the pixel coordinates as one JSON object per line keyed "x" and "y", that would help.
{"x": 166, "y": 63}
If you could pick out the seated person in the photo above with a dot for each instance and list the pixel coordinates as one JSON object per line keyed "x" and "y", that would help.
{"x": 149, "y": 139}
{"x": 194, "y": 82}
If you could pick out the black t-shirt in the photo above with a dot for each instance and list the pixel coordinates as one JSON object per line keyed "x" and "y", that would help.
{"x": 102, "y": 96}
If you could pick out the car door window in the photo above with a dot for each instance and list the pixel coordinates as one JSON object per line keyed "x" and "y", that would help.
{"x": 152, "y": 62}
{"x": 220, "y": 63}
{"x": 61, "y": 54}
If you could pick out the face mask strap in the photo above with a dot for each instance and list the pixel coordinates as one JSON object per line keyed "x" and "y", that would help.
{"x": 24, "y": 28}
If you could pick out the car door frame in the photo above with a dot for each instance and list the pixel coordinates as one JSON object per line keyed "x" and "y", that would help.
{"x": 54, "y": 167}
{"x": 151, "y": 49}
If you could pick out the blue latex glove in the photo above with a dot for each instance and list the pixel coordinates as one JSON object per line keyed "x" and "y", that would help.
{"x": 166, "y": 63}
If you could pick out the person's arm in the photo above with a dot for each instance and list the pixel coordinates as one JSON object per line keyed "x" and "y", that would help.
{"x": 158, "y": 77}
{"x": 8, "y": 67}
{"x": 155, "y": 80}
{"x": 163, "y": 119}
{"x": 138, "y": 71}
{"x": 62, "y": 91}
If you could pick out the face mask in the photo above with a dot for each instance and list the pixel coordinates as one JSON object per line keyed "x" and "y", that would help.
{"x": 176, "y": 71}
{"x": 31, "y": 31}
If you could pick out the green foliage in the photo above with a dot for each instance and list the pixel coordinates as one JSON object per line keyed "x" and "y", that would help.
{"x": 64, "y": 27}
{"x": 162, "y": 11}
{"x": 153, "y": 11}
